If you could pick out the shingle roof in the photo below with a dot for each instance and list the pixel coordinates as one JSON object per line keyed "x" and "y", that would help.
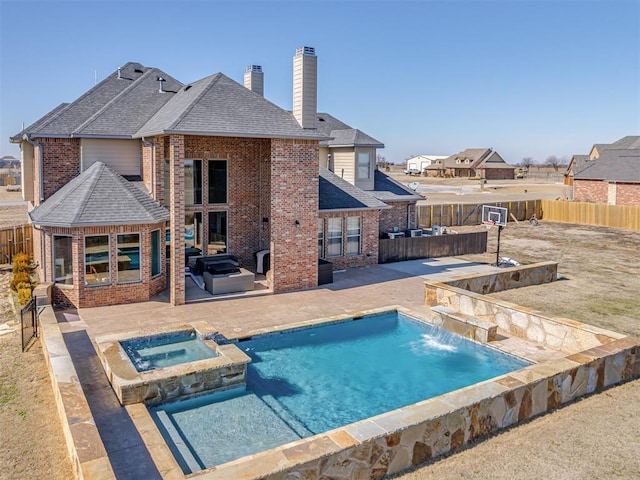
{"x": 578, "y": 162}
{"x": 98, "y": 196}
{"x": 631, "y": 142}
{"x": 336, "y": 193}
{"x": 217, "y": 105}
{"x": 115, "y": 107}
{"x": 614, "y": 166}
{"x": 387, "y": 189}
{"x": 342, "y": 134}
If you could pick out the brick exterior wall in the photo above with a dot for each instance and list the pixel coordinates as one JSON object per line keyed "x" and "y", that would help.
{"x": 61, "y": 159}
{"x": 80, "y": 295}
{"x": 590, "y": 191}
{"x": 628, "y": 194}
{"x": 397, "y": 217}
{"x": 176, "y": 210}
{"x": 294, "y": 196}
{"x": 369, "y": 240}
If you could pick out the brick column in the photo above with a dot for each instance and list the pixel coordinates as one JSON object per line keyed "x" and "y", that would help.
{"x": 176, "y": 209}
{"x": 157, "y": 166}
{"x": 294, "y": 214}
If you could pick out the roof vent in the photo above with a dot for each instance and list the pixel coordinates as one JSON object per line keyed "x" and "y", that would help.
{"x": 119, "y": 74}
{"x": 161, "y": 80}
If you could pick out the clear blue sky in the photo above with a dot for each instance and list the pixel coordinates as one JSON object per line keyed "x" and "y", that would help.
{"x": 528, "y": 78}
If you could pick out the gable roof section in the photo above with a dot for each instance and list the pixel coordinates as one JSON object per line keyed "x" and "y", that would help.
{"x": 387, "y": 189}
{"x": 631, "y": 142}
{"x": 219, "y": 106}
{"x": 336, "y": 193}
{"x": 342, "y": 134}
{"x": 621, "y": 166}
{"x": 115, "y": 107}
{"x": 98, "y": 196}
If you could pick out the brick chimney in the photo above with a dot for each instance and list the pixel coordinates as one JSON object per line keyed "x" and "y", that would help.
{"x": 254, "y": 79}
{"x": 305, "y": 87}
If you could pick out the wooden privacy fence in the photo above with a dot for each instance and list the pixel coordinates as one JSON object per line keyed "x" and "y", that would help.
{"x": 457, "y": 214}
{"x": 599, "y": 214}
{"x": 433, "y": 246}
{"x": 18, "y": 239}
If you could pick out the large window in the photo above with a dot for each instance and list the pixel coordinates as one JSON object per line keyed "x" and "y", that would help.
{"x": 334, "y": 237}
{"x": 321, "y": 238}
{"x": 217, "y": 181}
{"x": 217, "y": 233}
{"x": 156, "y": 256}
{"x": 193, "y": 182}
{"x": 364, "y": 165}
{"x": 96, "y": 260}
{"x": 129, "y": 258}
{"x": 193, "y": 230}
{"x": 62, "y": 260}
{"x": 354, "y": 233}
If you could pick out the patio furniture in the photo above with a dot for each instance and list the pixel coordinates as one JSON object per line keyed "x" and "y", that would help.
{"x": 241, "y": 281}
{"x": 203, "y": 263}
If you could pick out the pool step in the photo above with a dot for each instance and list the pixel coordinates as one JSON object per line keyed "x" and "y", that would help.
{"x": 292, "y": 422}
{"x": 467, "y": 326}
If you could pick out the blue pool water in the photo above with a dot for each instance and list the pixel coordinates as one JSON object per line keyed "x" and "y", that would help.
{"x": 166, "y": 350}
{"x": 308, "y": 381}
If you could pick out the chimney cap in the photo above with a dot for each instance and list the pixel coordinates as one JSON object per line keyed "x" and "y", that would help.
{"x": 254, "y": 68}
{"x": 306, "y": 51}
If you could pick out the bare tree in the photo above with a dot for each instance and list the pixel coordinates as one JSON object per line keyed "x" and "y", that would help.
{"x": 527, "y": 162}
{"x": 553, "y": 161}
{"x": 381, "y": 161}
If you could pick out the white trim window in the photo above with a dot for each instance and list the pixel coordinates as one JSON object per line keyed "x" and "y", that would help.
{"x": 129, "y": 258}
{"x": 334, "y": 237}
{"x": 354, "y": 235}
{"x": 62, "y": 259}
{"x": 321, "y": 238}
{"x": 364, "y": 165}
{"x": 97, "y": 261}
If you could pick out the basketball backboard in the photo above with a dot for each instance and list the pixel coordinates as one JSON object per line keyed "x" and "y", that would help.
{"x": 494, "y": 215}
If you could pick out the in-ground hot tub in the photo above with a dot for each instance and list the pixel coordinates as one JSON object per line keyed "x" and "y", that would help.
{"x": 152, "y": 366}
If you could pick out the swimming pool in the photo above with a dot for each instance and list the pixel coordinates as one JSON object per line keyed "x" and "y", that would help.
{"x": 311, "y": 380}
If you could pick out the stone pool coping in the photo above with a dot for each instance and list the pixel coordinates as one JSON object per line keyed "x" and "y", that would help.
{"x": 228, "y": 368}
{"x": 345, "y": 453}
{"x": 397, "y": 440}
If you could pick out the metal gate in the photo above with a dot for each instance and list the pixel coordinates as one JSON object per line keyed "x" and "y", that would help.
{"x": 29, "y": 323}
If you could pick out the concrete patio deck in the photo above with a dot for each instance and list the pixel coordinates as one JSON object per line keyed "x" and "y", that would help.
{"x": 352, "y": 291}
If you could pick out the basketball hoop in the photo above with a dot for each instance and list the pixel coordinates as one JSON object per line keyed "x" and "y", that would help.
{"x": 489, "y": 224}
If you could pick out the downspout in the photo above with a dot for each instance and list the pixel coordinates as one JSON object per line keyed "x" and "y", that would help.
{"x": 152, "y": 155}
{"x": 37, "y": 145}
{"x": 42, "y": 248}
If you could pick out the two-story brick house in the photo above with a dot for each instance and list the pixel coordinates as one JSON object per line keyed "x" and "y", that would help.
{"x": 142, "y": 159}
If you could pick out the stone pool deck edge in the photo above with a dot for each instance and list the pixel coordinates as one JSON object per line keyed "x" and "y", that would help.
{"x": 87, "y": 452}
{"x": 395, "y": 441}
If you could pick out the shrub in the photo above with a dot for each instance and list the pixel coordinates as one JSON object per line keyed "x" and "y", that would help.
{"x": 18, "y": 278}
{"x": 24, "y": 293}
{"x": 21, "y": 263}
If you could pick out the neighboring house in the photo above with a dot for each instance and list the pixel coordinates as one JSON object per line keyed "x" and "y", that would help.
{"x": 614, "y": 178}
{"x": 421, "y": 162}
{"x": 606, "y": 174}
{"x": 142, "y": 161}
{"x": 472, "y": 163}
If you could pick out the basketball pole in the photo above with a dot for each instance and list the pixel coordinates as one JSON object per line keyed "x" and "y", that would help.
{"x": 500, "y": 227}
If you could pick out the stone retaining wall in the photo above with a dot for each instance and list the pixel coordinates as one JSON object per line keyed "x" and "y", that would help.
{"x": 86, "y": 450}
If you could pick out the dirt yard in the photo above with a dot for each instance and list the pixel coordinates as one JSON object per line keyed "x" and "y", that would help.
{"x": 594, "y": 438}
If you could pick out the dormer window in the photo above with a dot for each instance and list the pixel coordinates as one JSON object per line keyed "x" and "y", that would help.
{"x": 364, "y": 165}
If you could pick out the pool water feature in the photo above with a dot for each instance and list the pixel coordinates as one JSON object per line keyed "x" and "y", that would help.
{"x": 165, "y": 350}
{"x": 311, "y": 380}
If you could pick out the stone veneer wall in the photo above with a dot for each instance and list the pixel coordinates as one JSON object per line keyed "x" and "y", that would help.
{"x": 556, "y": 333}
